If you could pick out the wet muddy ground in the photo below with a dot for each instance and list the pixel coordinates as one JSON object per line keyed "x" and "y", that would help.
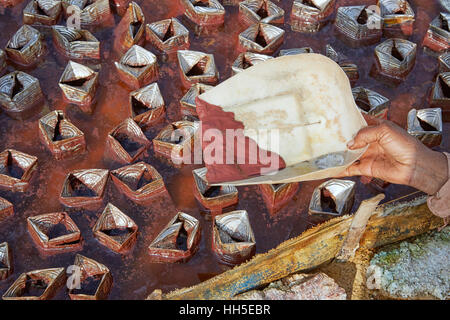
{"x": 134, "y": 275}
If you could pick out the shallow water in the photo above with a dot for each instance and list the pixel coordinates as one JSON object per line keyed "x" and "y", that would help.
{"x": 134, "y": 275}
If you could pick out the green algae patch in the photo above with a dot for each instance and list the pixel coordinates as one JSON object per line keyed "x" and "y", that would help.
{"x": 413, "y": 269}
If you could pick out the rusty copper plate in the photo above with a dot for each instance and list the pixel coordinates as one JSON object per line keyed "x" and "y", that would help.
{"x": 16, "y": 170}
{"x": 168, "y": 35}
{"x": 26, "y": 46}
{"x": 178, "y": 241}
{"x": 278, "y": 195}
{"x": 126, "y": 142}
{"x": 76, "y": 44}
{"x": 95, "y": 282}
{"x": 62, "y": 138}
{"x": 20, "y": 95}
{"x": 84, "y": 188}
{"x": 42, "y": 12}
{"x": 233, "y": 240}
{"x": 137, "y": 67}
{"x": 115, "y": 230}
{"x": 139, "y": 182}
{"x": 131, "y": 29}
{"x": 55, "y": 232}
{"x": 213, "y": 198}
{"x": 36, "y": 285}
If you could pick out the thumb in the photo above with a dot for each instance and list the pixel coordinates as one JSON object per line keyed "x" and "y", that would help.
{"x": 352, "y": 170}
{"x": 364, "y": 137}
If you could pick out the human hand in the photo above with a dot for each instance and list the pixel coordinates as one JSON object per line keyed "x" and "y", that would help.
{"x": 397, "y": 157}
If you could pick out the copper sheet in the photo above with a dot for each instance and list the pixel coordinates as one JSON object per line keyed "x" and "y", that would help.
{"x": 61, "y": 137}
{"x": 52, "y": 279}
{"x": 140, "y": 181}
{"x": 114, "y": 220}
{"x": 45, "y": 12}
{"x": 67, "y": 239}
{"x": 16, "y": 170}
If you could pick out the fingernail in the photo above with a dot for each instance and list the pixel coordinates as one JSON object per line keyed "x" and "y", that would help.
{"x": 350, "y": 143}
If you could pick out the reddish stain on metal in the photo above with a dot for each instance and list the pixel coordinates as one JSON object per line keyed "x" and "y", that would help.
{"x": 134, "y": 276}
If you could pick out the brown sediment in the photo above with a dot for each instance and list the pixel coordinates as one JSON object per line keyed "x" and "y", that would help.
{"x": 213, "y": 117}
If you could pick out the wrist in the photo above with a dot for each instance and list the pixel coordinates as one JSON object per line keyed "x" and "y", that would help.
{"x": 431, "y": 171}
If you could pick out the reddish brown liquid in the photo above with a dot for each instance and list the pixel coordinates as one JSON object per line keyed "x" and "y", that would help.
{"x": 134, "y": 275}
